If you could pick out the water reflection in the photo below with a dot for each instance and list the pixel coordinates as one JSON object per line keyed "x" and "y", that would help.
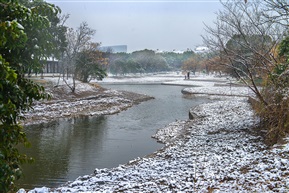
{"x": 62, "y": 147}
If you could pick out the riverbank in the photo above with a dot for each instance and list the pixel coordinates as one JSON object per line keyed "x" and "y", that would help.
{"x": 217, "y": 150}
{"x": 88, "y": 99}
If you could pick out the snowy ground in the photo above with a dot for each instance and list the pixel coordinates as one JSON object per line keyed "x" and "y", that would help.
{"x": 170, "y": 78}
{"x": 87, "y": 100}
{"x": 216, "y": 151}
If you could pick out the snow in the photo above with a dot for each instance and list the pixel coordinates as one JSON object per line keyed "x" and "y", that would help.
{"x": 170, "y": 132}
{"x": 218, "y": 150}
{"x": 173, "y": 78}
{"x": 44, "y": 112}
{"x": 94, "y": 102}
{"x": 233, "y": 91}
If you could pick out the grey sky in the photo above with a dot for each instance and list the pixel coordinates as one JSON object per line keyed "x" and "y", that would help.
{"x": 143, "y": 24}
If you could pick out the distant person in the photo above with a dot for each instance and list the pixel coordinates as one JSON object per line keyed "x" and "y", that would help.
{"x": 185, "y": 73}
{"x": 188, "y": 75}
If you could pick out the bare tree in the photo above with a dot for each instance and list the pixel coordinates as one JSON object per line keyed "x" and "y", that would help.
{"x": 275, "y": 115}
{"x": 277, "y": 11}
{"x": 245, "y": 42}
{"x": 77, "y": 40}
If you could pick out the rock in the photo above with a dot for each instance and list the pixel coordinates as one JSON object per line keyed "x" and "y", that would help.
{"x": 192, "y": 115}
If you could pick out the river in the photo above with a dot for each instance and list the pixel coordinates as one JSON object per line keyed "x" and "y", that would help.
{"x": 68, "y": 148}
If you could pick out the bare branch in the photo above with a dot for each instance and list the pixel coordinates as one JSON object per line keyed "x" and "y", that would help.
{"x": 77, "y": 41}
{"x": 245, "y": 40}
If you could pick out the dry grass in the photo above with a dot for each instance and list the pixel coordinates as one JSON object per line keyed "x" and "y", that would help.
{"x": 274, "y": 116}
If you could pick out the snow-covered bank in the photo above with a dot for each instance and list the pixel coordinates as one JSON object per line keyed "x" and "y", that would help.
{"x": 170, "y": 78}
{"x": 217, "y": 151}
{"x": 88, "y": 99}
{"x": 219, "y": 90}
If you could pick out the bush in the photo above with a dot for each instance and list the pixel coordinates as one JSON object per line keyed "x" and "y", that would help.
{"x": 275, "y": 115}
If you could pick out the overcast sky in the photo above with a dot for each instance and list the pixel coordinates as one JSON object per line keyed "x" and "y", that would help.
{"x": 143, "y": 24}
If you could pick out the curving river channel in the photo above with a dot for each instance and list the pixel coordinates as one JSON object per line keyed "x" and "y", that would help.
{"x": 68, "y": 148}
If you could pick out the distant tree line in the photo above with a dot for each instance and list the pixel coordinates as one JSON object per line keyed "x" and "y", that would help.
{"x": 146, "y": 61}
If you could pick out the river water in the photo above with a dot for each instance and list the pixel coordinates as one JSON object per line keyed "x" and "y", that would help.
{"x": 68, "y": 148}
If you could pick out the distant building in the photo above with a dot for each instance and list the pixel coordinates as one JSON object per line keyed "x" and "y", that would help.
{"x": 114, "y": 49}
{"x": 178, "y": 51}
{"x": 159, "y": 51}
{"x": 51, "y": 66}
{"x": 174, "y": 51}
{"x": 201, "y": 49}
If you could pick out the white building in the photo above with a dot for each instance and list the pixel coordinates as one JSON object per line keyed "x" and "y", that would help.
{"x": 201, "y": 49}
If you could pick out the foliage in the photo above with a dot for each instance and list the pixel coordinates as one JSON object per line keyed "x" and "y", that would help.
{"x": 79, "y": 48}
{"x": 20, "y": 51}
{"x": 146, "y": 61}
{"x": 39, "y": 42}
{"x": 90, "y": 64}
{"x": 149, "y": 61}
{"x": 176, "y": 60}
{"x": 275, "y": 116}
{"x": 284, "y": 47}
{"x": 192, "y": 64}
{"x": 212, "y": 64}
{"x": 55, "y": 33}
{"x": 117, "y": 63}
